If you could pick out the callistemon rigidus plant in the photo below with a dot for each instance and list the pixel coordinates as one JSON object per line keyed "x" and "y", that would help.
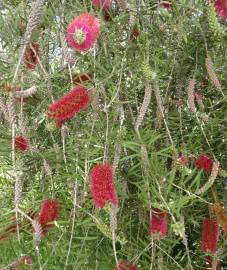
{"x": 113, "y": 134}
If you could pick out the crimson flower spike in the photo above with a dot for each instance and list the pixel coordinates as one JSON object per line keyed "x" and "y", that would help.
{"x": 67, "y": 106}
{"x": 205, "y": 163}
{"x": 102, "y": 185}
{"x": 158, "y": 223}
{"x": 221, "y": 8}
{"x": 49, "y": 211}
{"x": 21, "y": 143}
{"x": 126, "y": 265}
{"x": 210, "y": 235}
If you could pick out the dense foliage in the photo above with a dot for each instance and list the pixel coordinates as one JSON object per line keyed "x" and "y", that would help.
{"x": 151, "y": 106}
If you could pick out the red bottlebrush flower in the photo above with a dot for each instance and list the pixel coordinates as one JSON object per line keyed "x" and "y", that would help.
{"x": 135, "y": 33}
{"x": 205, "y": 163}
{"x": 67, "y": 106}
{"x": 105, "y": 4}
{"x": 30, "y": 56}
{"x": 102, "y": 185}
{"x": 80, "y": 78}
{"x": 166, "y": 4}
{"x": 158, "y": 223}
{"x": 210, "y": 235}
{"x": 83, "y": 32}
{"x": 125, "y": 266}
{"x": 208, "y": 263}
{"x": 21, "y": 143}
{"x": 183, "y": 160}
{"x": 49, "y": 211}
{"x": 221, "y": 8}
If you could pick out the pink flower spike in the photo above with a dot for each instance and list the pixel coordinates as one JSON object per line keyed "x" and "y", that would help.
{"x": 158, "y": 223}
{"x": 105, "y": 4}
{"x": 83, "y": 32}
{"x": 221, "y": 8}
{"x": 102, "y": 185}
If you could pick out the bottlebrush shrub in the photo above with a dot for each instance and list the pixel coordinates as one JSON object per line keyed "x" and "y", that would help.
{"x": 83, "y": 32}
{"x": 210, "y": 235}
{"x": 158, "y": 223}
{"x": 105, "y": 4}
{"x": 21, "y": 143}
{"x": 67, "y": 106}
{"x": 125, "y": 266}
{"x": 173, "y": 44}
{"x": 30, "y": 56}
{"x": 102, "y": 185}
{"x": 204, "y": 163}
{"x": 221, "y": 7}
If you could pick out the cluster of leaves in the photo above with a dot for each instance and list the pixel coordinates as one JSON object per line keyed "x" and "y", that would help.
{"x": 176, "y": 43}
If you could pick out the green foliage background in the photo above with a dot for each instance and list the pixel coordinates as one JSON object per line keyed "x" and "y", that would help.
{"x": 175, "y": 43}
